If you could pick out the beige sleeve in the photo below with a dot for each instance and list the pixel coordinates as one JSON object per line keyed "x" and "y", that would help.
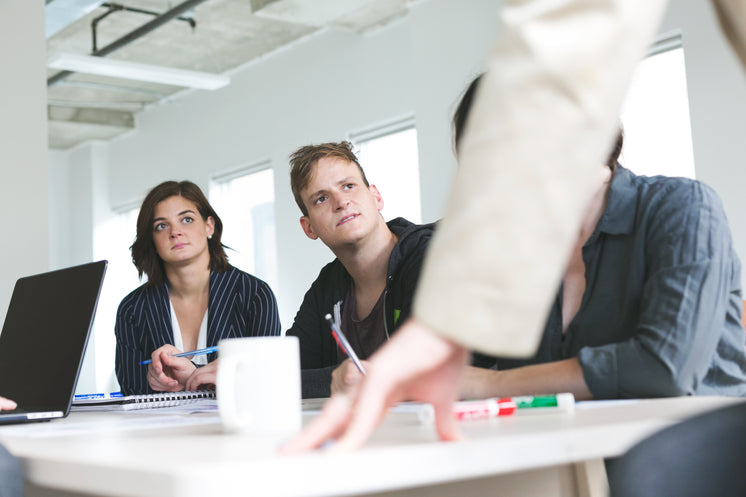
{"x": 544, "y": 118}
{"x": 732, "y": 18}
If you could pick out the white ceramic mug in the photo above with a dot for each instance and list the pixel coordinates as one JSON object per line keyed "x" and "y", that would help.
{"x": 258, "y": 385}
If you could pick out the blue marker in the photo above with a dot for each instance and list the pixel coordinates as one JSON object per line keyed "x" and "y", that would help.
{"x": 99, "y": 396}
{"x": 208, "y": 350}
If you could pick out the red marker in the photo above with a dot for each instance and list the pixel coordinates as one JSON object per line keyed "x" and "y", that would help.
{"x": 472, "y": 409}
{"x": 481, "y": 409}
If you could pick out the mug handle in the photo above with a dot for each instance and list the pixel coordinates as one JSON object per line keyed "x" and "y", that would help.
{"x": 227, "y": 384}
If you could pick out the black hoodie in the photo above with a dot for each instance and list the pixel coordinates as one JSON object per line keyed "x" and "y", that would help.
{"x": 318, "y": 354}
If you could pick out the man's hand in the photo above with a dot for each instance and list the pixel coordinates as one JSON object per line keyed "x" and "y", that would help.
{"x": 206, "y": 375}
{"x": 417, "y": 365}
{"x": 7, "y": 404}
{"x": 347, "y": 376}
{"x": 167, "y": 373}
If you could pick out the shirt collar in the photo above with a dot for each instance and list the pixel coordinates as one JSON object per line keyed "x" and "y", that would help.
{"x": 621, "y": 205}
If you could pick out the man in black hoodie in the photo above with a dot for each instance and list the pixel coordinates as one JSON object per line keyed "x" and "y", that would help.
{"x": 370, "y": 285}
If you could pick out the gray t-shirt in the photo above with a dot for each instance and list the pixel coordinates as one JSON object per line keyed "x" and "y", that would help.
{"x": 365, "y": 335}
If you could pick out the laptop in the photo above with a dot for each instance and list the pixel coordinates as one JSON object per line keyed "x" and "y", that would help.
{"x": 44, "y": 339}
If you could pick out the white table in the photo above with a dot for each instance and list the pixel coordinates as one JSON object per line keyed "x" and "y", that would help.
{"x": 547, "y": 454}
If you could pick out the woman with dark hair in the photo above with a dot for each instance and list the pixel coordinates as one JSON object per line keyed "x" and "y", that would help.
{"x": 193, "y": 297}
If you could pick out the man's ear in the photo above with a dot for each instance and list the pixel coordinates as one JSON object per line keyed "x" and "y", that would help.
{"x": 305, "y": 223}
{"x": 376, "y": 195}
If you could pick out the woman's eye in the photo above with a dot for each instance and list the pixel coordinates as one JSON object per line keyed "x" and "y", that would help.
{"x": 159, "y": 227}
{"x": 349, "y": 186}
{"x": 187, "y": 219}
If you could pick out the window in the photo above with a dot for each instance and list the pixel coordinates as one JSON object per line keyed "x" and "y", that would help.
{"x": 244, "y": 200}
{"x": 655, "y": 114}
{"x": 112, "y": 242}
{"x": 388, "y": 155}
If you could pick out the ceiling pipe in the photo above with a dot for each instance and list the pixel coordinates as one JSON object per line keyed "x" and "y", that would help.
{"x": 117, "y": 7}
{"x": 133, "y": 35}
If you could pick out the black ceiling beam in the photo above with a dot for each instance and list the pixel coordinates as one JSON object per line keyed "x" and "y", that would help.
{"x": 118, "y": 7}
{"x": 133, "y": 35}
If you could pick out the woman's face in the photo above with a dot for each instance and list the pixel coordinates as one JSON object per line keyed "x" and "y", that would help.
{"x": 179, "y": 232}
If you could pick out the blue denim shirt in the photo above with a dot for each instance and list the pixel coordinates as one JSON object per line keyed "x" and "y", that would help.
{"x": 661, "y": 312}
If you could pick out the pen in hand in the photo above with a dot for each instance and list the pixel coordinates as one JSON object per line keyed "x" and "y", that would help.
{"x": 343, "y": 343}
{"x": 208, "y": 350}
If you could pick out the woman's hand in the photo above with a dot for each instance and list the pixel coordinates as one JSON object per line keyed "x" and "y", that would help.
{"x": 206, "y": 375}
{"x": 168, "y": 373}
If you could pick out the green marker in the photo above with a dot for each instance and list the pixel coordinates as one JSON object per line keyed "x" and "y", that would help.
{"x": 545, "y": 403}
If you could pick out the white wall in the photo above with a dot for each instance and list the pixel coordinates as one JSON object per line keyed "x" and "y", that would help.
{"x": 79, "y": 203}
{"x": 317, "y": 90}
{"x": 334, "y": 82}
{"x": 23, "y": 143}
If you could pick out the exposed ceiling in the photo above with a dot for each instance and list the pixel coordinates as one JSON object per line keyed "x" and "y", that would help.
{"x": 226, "y": 34}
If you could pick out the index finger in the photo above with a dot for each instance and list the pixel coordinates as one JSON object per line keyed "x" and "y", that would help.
{"x": 371, "y": 406}
{"x": 333, "y": 419}
{"x": 155, "y": 357}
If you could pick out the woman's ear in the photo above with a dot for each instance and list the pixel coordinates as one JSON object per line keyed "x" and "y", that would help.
{"x": 210, "y": 226}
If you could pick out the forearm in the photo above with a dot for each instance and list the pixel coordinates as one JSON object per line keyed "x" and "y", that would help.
{"x": 551, "y": 377}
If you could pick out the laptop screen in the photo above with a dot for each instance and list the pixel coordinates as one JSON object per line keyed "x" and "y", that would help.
{"x": 44, "y": 336}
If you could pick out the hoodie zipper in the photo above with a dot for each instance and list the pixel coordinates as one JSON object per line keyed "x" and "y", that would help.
{"x": 385, "y": 316}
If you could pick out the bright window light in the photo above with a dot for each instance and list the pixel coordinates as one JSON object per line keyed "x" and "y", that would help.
{"x": 390, "y": 160}
{"x": 655, "y": 116}
{"x": 112, "y": 242}
{"x": 244, "y": 201}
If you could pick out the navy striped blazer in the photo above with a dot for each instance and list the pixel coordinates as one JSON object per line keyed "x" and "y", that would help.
{"x": 240, "y": 305}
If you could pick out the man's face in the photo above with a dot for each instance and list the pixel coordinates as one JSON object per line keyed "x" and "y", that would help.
{"x": 341, "y": 209}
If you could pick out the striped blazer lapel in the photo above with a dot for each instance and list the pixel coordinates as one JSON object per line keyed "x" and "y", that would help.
{"x": 157, "y": 317}
{"x": 221, "y": 315}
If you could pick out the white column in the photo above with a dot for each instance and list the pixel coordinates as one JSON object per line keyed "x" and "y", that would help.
{"x": 23, "y": 144}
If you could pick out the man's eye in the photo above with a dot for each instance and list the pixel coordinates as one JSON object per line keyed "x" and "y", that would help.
{"x": 320, "y": 199}
{"x": 349, "y": 186}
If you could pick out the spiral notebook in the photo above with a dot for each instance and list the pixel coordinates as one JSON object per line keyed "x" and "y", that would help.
{"x": 118, "y": 402}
